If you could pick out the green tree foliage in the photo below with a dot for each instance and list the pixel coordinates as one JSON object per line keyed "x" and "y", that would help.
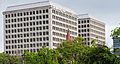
{"x": 73, "y": 52}
{"x": 77, "y": 53}
{"x": 44, "y": 56}
{"x": 7, "y": 59}
{"x": 69, "y": 52}
{"x": 116, "y": 32}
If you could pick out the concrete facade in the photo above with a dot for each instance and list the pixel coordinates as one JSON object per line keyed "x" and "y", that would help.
{"x": 90, "y": 29}
{"x": 32, "y": 26}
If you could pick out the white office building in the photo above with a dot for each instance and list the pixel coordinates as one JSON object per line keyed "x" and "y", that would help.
{"x": 90, "y": 29}
{"x": 32, "y": 26}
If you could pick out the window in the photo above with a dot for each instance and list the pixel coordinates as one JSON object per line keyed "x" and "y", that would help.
{"x": 33, "y": 17}
{"x": 40, "y": 11}
{"x": 88, "y": 34}
{"x": 27, "y": 13}
{"x": 43, "y": 11}
{"x": 43, "y": 33}
{"x": 30, "y": 23}
{"x": 30, "y": 18}
{"x": 14, "y": 14}
{"x": 30, "y": 12}
{"x": 47, "y": 16}
{"x": 37, "y": 17}
{"x": 88, "y": 25}
{"x": 78, "y": 22}
{"x": 24, "y": 19}
{"x": 78, "y": 30}
{"x": 44, "y": 38}
{"x": 5, "y": 16}
{"x": 47, "y": 22}
{"x": 20, "y": 14}
{"x": 33, "y": 23}
{"x": 40, "y": 28}
{"x": 47, "y": 33}
{"x": 37, "y": 12}
{"x": 33, "y": 12}
{"x": 40, "y": 17}
{"x": 43, "y": 16}
{"x": 47, "y": 38}
{"x": 78, "y": 26}
{"x": 43, "y": 22}
{"x": 84, "y": 26}
{"x": 40, "y": 39}
{"x": 40, "y": 22}
{"x": 87, "y": 21}
{"x": 34, "y": 39}
{"x": 43, "y": 27}
{"x": 24, "y": 14}
{"x": 88, "y": 30}
{"x": 33, "y": 34}
{"x": 47, "y": 27}
{"x": 47, "y": 10}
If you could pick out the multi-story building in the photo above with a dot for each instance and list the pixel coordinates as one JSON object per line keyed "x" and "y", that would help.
{"x": 31, "y": 26}
{"x": 116, "y": 45}
{"x": 90, "y": 29}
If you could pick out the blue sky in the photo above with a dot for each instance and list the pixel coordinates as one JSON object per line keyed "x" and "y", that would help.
{"x": 107, "y": 11}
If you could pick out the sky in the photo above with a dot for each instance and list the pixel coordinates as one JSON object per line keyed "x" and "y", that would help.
{"x": 107, "y": 11}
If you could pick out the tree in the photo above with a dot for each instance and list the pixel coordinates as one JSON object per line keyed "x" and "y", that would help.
{"x": 116, "y": 32}
{"x": 7, "y": 59}
{"x": 72, "y": 52}
{"x": 44, "y": 56}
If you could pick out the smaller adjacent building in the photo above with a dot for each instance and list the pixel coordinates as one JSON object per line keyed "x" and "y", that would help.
{"x": 116, "y": 45}
{"x": 91, "y": 28}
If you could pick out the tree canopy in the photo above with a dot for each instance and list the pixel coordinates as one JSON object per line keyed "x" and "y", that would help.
{"x": 73, "y": 52}
{"x": 68, "y": 52}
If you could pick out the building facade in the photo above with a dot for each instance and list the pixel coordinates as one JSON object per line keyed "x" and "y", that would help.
{"x": 32, "y": 26}
{"x": 116, "y": 45}
{"x": 90, "y": 29}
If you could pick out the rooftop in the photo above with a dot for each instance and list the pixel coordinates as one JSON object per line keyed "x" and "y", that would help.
{"x": 38, "y": 4}
{"x": 82, "y": 16}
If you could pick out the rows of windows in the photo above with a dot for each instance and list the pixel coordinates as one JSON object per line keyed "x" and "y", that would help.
{"x": 99, "y": 37}
{"x": 58, "y": 39}
{"x": 84, "y": 30}
{"x": 83, "y": 26}
{"x": 26, "y": 13}
{"x": 97, "y": 32}
{"x": 27, "y": 24}
{"x": 83, "y": 21}
{"x": 27, "y": 40}
{"x": 15, "y": 52}
{"x": 87, "y": 43}
{"x": 27, "y": 18}
{"x": 98, "y": 24}
{"x": 84, "y": 35}
{"x": 64, "y": 14}
{"x": 64, "y": 20}
{"x": 59, "y": 34}
{"x": 87, "y": 39}
{"x": 93, "y": 35}
{"x": 55, "y": 44}
{"x": 97, "y": 27}
{"x": 27, "y": 45}
{"x": 27, "y": 35}
{"x": 63, "y": 30}
{"x": 64, "y": 25}
{"x": 27, "y": 29}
